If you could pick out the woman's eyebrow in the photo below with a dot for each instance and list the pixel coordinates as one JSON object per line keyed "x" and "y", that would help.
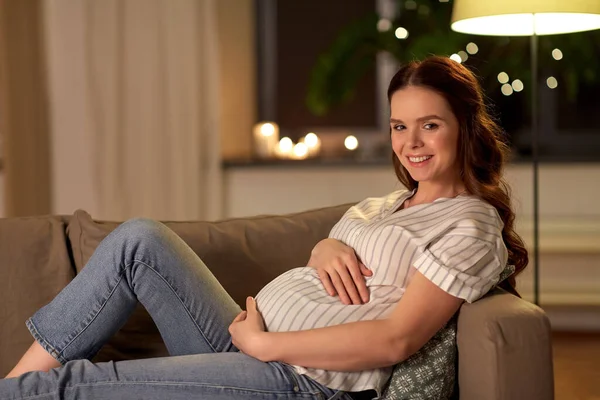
{"x": 426, "y": 117}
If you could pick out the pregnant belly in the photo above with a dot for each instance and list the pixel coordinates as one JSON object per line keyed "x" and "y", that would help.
{"x": 297, "y": 300}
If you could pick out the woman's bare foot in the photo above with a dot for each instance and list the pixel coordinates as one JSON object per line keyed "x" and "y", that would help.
{"x": 34, "y": 359}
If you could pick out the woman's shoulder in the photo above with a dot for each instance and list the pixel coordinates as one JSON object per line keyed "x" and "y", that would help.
{"x": 475, "y": 207}
{"x": 469, "y": 215}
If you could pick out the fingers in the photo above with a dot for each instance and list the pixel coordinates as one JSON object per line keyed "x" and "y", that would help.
{"x": 359, "y": 282}
{"x": 344, "y": 285}
{"x": 337, "y": 282}
{"x": 364, "y": 270}
{"x": 240, "y": 317}
{"x": 326, "y": 281}
{"x": 250, "y": 304}
{"x": 350, "y": 285}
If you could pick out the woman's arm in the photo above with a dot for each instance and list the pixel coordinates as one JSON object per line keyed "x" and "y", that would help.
{"x": 422, "y": 311}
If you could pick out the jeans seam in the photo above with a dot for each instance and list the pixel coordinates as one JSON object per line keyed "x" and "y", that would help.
{"x": 44, "y": 343}
{"x": 112, "y": 291}
{"x": 151, "y": 268}
{"x": 182, "y": 383}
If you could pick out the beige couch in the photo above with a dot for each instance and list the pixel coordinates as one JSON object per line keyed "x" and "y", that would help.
{"x": 504, "y": 342}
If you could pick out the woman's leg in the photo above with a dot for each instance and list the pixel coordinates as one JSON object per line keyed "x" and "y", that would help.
{"x": 216, "y": 376}
{"x": 140, "y": 260}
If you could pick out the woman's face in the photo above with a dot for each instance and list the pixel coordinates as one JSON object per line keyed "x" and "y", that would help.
{"x": 425, "y": 135}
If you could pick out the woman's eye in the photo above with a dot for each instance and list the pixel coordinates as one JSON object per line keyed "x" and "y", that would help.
{"x": 430, "y": 126}
{"x": 399, "y": 127}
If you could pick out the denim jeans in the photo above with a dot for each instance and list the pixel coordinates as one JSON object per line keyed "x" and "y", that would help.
{"x": 142, "y": 260}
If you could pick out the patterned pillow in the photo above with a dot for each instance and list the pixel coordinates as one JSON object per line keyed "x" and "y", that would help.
{"x": 430, "y": 373}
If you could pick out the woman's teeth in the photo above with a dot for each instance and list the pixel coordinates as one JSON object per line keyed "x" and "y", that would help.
{"x": 419, "y": 159}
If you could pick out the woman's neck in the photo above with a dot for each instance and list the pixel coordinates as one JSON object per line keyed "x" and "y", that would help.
{"x": 429, "y": 192}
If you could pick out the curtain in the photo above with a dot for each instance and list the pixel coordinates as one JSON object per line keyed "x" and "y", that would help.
{"x": 25, "y": 166}
{"x": 134, "y": 107}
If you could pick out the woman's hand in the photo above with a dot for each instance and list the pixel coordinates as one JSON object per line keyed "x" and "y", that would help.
{"x": 248, "y": 331}
{"x": 340, "y": 271}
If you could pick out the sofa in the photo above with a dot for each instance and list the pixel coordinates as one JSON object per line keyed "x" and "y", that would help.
{"x": 504, "y": 342}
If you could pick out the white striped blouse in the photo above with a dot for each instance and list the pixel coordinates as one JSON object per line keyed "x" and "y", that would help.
{"x": 455, "y": 242}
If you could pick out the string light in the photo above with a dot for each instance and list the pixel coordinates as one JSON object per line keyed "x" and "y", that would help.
{"x": 351, "y": 143}
{"x": 517, "y": 85}
{"x": 267, "y": 129}
{"x": 506, "y": 89}
{"x": 384, "y": 25}
{"x": 300, "y": 150}
{"x": 456, "y": 57}
{"x": 401, "y": 33}
{"x": 463, "y": 55}
{"x": 503, "y": 77}
{"x": 286, "y": 145}
{"x": 552, "y": 82}
{"x": 410, "y": 5}
{"x": 472, "y": 48}
{"x": 557, "y": 54}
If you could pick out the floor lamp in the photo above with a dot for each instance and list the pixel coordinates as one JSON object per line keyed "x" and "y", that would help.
{"x": 527, "y": 18}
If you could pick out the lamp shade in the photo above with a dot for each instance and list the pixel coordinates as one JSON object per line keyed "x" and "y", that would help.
{"x": 525, "y": 17}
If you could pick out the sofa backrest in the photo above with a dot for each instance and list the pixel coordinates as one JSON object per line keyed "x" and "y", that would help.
{"x": 244, "y": 254}
{"x": 35, "y": 264}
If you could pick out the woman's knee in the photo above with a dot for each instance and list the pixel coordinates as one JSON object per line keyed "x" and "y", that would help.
{"x": 140, "y": 227}
{"x": 136, "y": 231}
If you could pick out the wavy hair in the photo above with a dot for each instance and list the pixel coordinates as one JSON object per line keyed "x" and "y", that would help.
{"x": 482, "y": 151}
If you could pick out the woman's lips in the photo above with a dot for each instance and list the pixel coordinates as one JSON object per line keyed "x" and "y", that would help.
{"x": 419, "y": 161}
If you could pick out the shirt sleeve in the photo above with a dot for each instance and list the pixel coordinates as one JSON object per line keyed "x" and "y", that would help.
{"x": 466, "y": 260}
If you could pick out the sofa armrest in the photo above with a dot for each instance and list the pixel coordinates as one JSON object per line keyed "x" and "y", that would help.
{"x": 504, "y": 350}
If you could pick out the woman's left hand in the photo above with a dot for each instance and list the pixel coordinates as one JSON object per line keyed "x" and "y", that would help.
{"x": 248, "y": 331}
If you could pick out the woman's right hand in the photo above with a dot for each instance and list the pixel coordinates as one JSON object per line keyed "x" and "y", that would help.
{"x": 340, "y": 271}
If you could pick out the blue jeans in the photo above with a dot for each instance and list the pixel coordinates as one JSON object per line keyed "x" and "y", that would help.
{"x": 142, "y": 260}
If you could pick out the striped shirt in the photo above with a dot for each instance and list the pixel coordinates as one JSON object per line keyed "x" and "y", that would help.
{"x": 455, "y": 242}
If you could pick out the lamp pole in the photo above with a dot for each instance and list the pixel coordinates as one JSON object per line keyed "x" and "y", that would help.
{"x": 535, "y": 155}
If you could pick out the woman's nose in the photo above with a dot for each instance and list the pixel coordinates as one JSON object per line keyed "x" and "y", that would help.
{"x": 414, "y": 139}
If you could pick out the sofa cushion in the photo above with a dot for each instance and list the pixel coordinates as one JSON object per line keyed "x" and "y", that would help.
{"x": 243, "y": 254}
{"x": 34, "y": 265}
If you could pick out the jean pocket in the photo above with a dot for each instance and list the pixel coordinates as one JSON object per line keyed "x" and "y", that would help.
{"x": 289, "y": 371}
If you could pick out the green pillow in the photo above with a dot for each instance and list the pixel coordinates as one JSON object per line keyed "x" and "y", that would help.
{"x": 430, "y": 373}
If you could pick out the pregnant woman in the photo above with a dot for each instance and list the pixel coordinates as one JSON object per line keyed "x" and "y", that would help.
{"x": 391, "y": 273}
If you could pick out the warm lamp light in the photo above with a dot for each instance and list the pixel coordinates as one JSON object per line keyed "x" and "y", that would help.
{"x": 313, "y": 143}
{"x": 525, "y": 18}
{"x": 266, "y": 138}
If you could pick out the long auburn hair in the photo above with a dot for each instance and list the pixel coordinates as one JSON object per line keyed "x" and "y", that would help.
{"x": 481, "y": 152}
